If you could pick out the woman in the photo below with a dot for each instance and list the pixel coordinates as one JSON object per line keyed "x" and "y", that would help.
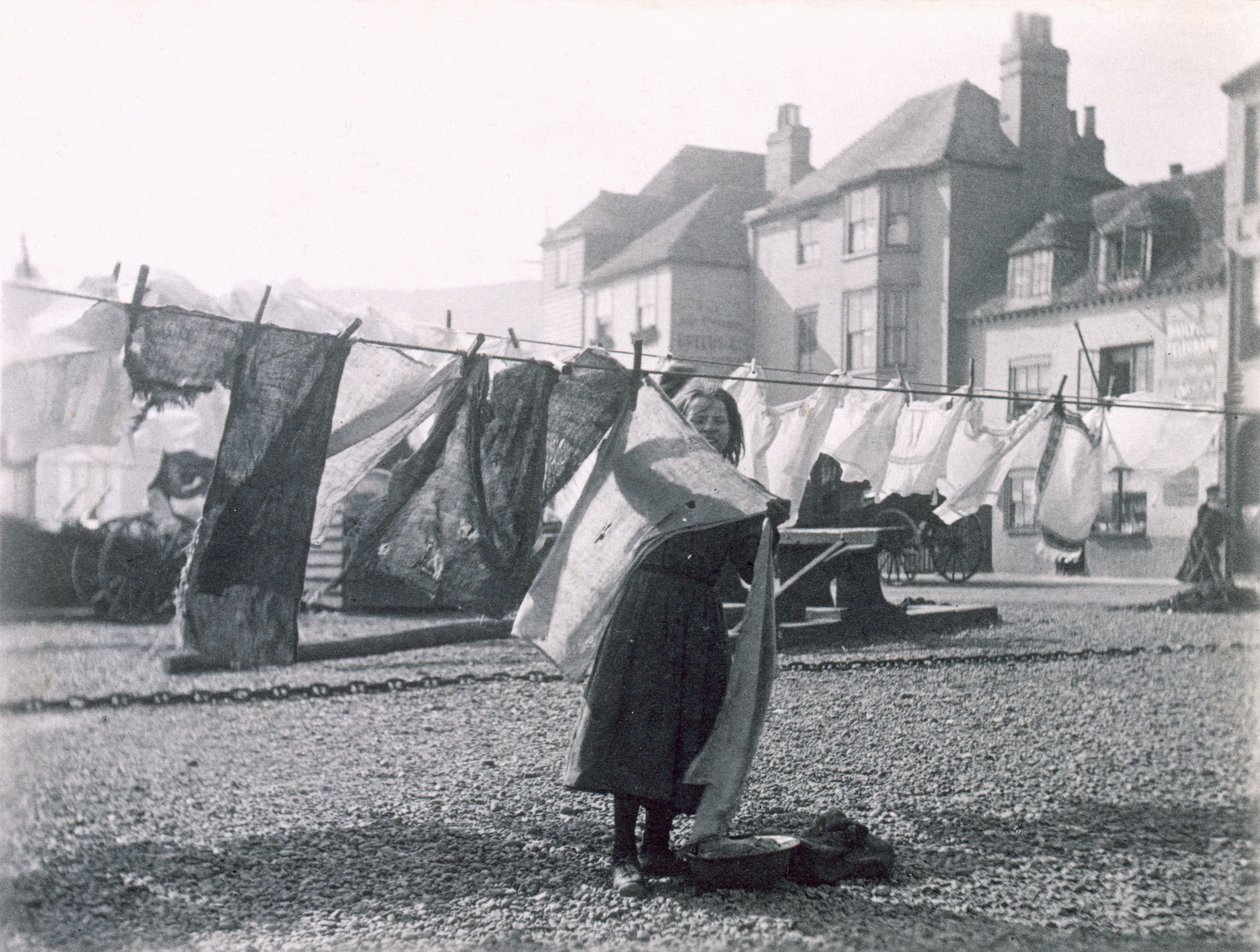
{"x": 660, "y": 674}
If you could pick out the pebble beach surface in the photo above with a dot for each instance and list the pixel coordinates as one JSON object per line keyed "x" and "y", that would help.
{"x": 1095, "y": 802}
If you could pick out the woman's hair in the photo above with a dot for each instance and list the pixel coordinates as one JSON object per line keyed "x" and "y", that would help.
{"x": 710, "y": 390}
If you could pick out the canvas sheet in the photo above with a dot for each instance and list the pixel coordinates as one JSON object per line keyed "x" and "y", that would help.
{"x": 461, "y": 514}
{"x": 385, "y": 395}
{"x": 654, "y": 476}
{"x": 243, "y": 580}
{"x": 760, "y": 422}
{"x": 72, "y": 399}
{"x": 920, "y": 447}
{"x": 1157, "y": 441}
{"x": 862, "y": 430}
{"x": 980, "y": 458}
{"x": 584, "y": 404}
{"x": 1069, "y": 480}
{"x": 725, "y": 760}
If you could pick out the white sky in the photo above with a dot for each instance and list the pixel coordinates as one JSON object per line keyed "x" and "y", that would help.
{"x": 428, "y": 144}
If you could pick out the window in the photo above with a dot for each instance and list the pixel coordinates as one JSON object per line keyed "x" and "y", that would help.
{"x": 861, "y": 212}
{"x": 1020, "y": 501}
{"x": 894, "y": 332}
{"x": 808, "y": 353}
{"x": 807, "y": 241}
{"x": 1126, "y": 369}
{"x": 645, "y": 307}
{"x": 1121, "y": 512}
{"x": 1030, "y": 275}
{"x": 1125, "y": 255}
{"x": 1251, "y": 156}
{"x": 567, "y": 265}
{"x": 603, "y": 304}
{"x": 1026, "y": 378}
{"x": 859, "y": 330}
{"x": 897, "y": 217}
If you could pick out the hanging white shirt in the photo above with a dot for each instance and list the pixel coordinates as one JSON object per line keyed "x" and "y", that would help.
{"x": 862, "y": 429}
{"x": 1069, "y": 480}
{"x": 925, "y": 430}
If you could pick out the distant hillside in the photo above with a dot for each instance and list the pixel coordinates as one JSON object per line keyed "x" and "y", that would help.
{"x": 490, "y": 308}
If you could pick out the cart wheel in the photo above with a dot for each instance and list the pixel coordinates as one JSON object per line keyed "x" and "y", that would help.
{"x": 957, "y": 550}
{"x": 898, "y": 551}
{"x": 84, "y": 577}
{"x": 139, "y": 568}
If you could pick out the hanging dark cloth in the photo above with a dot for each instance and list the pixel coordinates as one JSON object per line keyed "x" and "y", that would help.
{"x": 174, "y": 354}
{"x": 462, "y": 513}
{"x": 584, "y": 405}
{"x": 243, "y": 581}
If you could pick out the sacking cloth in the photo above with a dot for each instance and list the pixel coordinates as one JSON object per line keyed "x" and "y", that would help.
{"x": 243, "y": 581}
{"x": 461, "y": 514}
{"x": 723, "y": 763}
{"x": 584, "y": 404}
{"x": 654, "y": 477}
{"x": 174, "y": 354}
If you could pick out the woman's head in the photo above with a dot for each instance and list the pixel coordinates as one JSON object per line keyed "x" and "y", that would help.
{"x": 712, "y": 411}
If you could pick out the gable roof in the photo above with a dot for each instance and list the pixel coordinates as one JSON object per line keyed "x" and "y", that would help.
{"x": 708, "y": 230}
{"x": 959, "y": 122}
{"x": 613, "y": 213}
{"x": 1187, "y": 220}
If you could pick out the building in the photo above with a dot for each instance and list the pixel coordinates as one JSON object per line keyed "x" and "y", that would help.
{"x": 1142, "y": 272}
{"x": 872, "y": 262}
{"x": 1242, "y": 237}
{"x": 658, "y": 264}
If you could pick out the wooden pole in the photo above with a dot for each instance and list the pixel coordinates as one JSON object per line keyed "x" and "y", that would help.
{"x": 142, "y": 279}
{"x": 1088, "y": 359}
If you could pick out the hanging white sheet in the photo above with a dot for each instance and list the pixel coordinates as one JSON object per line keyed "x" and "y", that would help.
{"x": 1157, "y": 441}
{"x": 802, "y": 429}
{"x": 1069, "y": 480}
{"x": 760, "y": 422}
{"x": 862, "y": 429}
{"x": 980, "y": 457}
{"x": 925, "y": 430}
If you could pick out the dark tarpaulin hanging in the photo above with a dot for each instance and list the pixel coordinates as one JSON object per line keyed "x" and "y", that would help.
{"x": 462, "y": 513}
{"x": 243, "y": 581}
{"x": 584, "y": 405}
{"x": 174, "y": 354}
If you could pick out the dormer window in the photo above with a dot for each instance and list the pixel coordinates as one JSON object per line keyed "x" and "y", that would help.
{"x": 1031, "y": 274}
{"x": 1125, "y": 255}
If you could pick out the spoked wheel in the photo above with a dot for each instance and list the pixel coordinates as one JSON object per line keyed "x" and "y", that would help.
{"x": 957, "y": 550}
{"x": 139, "y": 567}
{"x": 899, "y": 549}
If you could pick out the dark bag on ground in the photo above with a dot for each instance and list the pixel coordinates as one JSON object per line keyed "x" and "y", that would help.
{"x": 836, "y": 848}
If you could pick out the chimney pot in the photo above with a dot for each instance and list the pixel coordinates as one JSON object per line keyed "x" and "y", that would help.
{"x": 1175, "y": 169}
{"x": 1089, "y": 122}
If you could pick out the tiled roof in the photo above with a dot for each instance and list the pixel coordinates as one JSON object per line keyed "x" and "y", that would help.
{"x": 708, "y": 230}
{"x": 1186, "y": 217}
{"x": 1056, "y": 230}
{"x": 958, "y": 122}
{"x": 613, "y": 213}
{"x": 689, "y": 174}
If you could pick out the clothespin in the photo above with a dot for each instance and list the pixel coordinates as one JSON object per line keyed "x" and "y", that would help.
{"x": 636, "y": 373}
{"x": 142, "y": 279}
{"x": 262, "y": 305}
{"x": 516, "y": 342}
{"x": 345, "y": 334}
{"x": 905, "y": 387}
{"x": 117, "y": 271}
{"x": 448, "y": 319}
{"x": 971, "y": 378}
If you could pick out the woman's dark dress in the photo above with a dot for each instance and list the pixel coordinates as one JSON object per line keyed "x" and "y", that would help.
{"x": 660, "y": 674}
{"x": 1203, "y": 560}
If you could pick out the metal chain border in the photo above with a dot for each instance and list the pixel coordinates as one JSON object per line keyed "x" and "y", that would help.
{"x": 286, "y": 692}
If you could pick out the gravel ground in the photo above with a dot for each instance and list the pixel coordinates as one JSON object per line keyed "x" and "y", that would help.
{"x": 1090, "y": 803}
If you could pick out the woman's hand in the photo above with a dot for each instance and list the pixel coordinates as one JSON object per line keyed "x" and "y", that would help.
{"x": 778, "y": 510}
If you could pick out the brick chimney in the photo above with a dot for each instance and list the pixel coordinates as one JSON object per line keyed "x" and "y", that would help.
{"x": 787, "y": 150}
{"x": 1034, "y": 109}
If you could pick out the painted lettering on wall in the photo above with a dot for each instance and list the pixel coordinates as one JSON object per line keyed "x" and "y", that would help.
{"x": 1191, "y": 343}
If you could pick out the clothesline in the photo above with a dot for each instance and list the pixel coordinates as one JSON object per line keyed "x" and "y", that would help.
{"x": 821, "y": 381}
